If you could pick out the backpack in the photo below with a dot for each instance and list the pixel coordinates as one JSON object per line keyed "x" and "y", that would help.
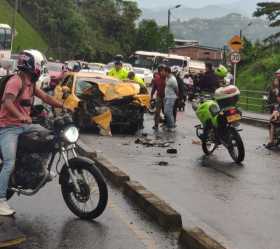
{"x": 3, "y": 83}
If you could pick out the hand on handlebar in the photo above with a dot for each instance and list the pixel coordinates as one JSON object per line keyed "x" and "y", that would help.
{"x": 25, "y": 119}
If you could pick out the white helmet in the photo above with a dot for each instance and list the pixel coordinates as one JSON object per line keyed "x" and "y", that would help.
{"x": 33, "y": 62}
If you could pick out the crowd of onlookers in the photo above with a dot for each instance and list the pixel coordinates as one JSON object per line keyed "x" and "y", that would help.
{"x": 170, "y": 91}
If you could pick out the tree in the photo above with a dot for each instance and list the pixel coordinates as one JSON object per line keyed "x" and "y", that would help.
{"x": 272, "y": 11}
{"x": 151, "y": 37}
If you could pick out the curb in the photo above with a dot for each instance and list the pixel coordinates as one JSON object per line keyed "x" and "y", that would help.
{"x": 255, "y": 121}
{"x": 196, "y": 238}
{"x": 158, "y": 209}
{"x": 161, "y": 212}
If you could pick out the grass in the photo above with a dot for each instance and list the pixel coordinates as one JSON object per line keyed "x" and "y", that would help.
{"x": 257, "y": 76}
{"x": 27, "y": 37}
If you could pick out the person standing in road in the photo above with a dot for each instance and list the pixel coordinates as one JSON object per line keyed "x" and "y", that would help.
{"x": 171, "y": 94}
{"x": 118, "y": 71}
{"x": 273, "y": 92}
{"x": 139, "y": 81}
{"x": 209, "y": 82}
{"x": 158, "y": 87}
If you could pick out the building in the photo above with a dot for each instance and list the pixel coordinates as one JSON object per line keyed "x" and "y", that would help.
{"x": 200, "y": 53}
{"x": 180, "y": 42}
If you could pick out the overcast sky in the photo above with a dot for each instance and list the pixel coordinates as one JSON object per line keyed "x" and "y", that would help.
{"x": 191, "y": 3}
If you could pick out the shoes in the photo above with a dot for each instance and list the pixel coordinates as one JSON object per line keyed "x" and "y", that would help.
{"x": 269, "y": 145}
{"x": 171, "y": 129}
{"x": 51, "y": 176}
{"x": 155, "y": 128}
{"x": 5, "y": 209}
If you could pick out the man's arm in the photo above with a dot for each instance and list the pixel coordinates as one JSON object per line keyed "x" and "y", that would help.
{"x": 175, "y": 86}
{"x": 153, "y": 89}
{"x": 47, "y": 98}
{"x": 8, "y": 104}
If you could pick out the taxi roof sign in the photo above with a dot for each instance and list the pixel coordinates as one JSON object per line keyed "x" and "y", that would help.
{"x": 235, "y": 43}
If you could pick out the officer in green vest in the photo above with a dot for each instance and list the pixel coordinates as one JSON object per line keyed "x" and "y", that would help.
{"x": 139, "y": 81}
{"x": 118, "y": 71}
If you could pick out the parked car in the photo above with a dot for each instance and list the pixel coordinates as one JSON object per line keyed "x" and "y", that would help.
{"x": 103, "y": 102}
{"x": 95, "y": 68}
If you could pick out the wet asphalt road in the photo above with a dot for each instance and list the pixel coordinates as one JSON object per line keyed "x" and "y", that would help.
{"x": 239, "y": 202}
{"x": 48, "y": 224}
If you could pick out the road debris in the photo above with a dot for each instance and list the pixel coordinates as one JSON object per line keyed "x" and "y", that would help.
{"x": 153, "y": 142}
{"x": 172, "y": 151}
{"x": 163, "y": 163}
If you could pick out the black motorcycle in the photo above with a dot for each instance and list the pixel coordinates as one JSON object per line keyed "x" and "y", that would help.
{"x": 82, "y": 184}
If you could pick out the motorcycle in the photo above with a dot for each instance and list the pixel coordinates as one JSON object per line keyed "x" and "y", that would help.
{"x": 219, "y": 119}
{"x": 41, "y": 151}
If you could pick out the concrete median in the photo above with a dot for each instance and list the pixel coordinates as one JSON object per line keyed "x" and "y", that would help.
{"x": 196, "y": 238}
{"x": 255, "y": 121}
{"x": 160, "y": 211}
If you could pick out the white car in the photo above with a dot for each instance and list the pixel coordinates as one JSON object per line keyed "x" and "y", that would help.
{"x": 95, "y": 68}
{"x": 145, "y": 74}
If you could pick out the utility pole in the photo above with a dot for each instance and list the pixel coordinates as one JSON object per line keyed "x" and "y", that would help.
{"x": 169, "y": 14}
{"x": 14, "y": 22}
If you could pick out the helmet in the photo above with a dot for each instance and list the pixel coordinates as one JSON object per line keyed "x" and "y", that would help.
{"x": 221, "y": 71}
{"x": 161, "y": 67}
{"x": 118, "y": 59}
{"x": 33, "y": 62}
{"x": 175, "y": 69}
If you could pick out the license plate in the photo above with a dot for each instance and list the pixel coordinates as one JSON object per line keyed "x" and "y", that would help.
{"x": 233, "y": 118}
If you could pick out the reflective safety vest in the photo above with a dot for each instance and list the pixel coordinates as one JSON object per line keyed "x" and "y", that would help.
{"x": 139, "y": 81}
{"x": 121, "y": 74}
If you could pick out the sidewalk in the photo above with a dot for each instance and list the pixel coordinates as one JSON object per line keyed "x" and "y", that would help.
{"x": 254, "y": 115}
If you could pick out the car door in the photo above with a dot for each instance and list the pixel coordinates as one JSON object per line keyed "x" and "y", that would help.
{"x": 72, "y": 100}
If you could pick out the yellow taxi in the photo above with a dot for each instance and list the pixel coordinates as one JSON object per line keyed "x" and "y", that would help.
{"x": 102, "y": 101}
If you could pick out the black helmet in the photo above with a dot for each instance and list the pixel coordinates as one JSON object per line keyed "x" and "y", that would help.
{"x": 118, "y": 59}
{"x": 161, "y": 67}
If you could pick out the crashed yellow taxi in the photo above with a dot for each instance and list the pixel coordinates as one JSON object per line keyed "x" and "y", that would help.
{"x": 104, "y": 102}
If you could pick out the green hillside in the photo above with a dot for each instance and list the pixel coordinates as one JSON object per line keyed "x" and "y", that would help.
{"x": 259, "y": 75}
{"x": 27, "y": 36}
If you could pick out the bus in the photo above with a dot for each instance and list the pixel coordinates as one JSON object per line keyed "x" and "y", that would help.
{"x": 145, "y": 59}
{"x": 151, "y": 60}
{"x": 5, "y": 41}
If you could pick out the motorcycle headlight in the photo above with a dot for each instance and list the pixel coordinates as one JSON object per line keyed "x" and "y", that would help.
{"x": 71, "y": 134}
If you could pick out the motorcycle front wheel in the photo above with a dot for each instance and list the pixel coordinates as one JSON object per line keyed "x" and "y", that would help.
{"x": 236, "y": 148}
{"x": 92, "y": 199}
{"x": 208, "y": 144}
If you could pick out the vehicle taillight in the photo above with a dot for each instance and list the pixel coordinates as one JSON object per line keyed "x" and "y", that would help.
{"x": 232, "y": 111}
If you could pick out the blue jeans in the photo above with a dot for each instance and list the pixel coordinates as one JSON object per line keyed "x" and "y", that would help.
{"x": 8, "y": 146}
{"x": 168, "y": 111}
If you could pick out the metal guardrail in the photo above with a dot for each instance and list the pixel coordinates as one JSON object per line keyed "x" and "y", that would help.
{"x": 256, "y": 101}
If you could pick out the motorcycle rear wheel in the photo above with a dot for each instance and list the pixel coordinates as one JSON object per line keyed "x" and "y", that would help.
{"x": 78, "y": 202}
{"x": 236, "y": 150}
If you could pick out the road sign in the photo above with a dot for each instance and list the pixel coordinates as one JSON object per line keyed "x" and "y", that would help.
{"x": 235, "y": 43}
{"x": 235, "y": 58}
